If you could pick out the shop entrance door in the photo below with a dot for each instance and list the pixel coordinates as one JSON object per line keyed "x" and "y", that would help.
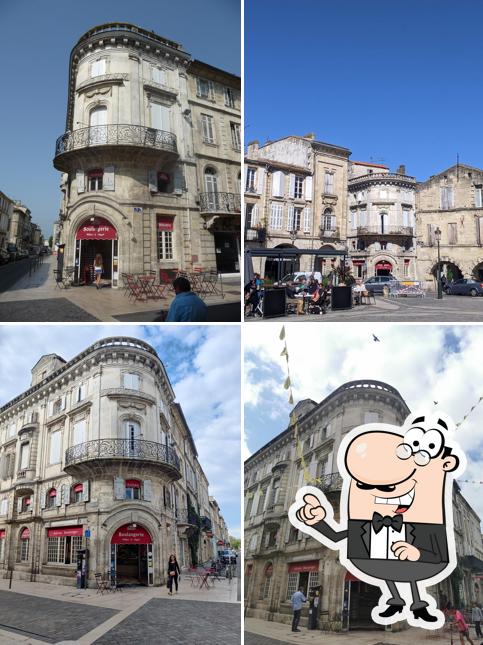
{"x": 362, "y": 597}
{"x": 132, "y": 556}
{"x": 96, "y": 235}
{"x": 226, "y": 249}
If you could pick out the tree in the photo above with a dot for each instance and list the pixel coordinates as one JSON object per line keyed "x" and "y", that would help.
{"x": 235, "y": 542}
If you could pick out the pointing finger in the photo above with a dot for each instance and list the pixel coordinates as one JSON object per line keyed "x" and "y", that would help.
{"x": 312, "y": 500}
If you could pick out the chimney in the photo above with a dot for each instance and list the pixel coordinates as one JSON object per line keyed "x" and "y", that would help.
{"x": 252, "y": 149}
{"x": 310, "y": 135}
{"x": 401, "y": 170}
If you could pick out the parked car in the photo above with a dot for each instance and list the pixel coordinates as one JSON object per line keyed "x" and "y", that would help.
{"x": 298, "y": 276}
{"x": 377, "y": 283}
{"x": 465, "y": 287}
{"x": 4, "y": 256}
{"x": 21, "y": 254}
{"x": 12, "y": 251}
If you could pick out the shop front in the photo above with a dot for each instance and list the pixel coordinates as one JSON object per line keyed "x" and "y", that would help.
{"x": 383, "y": 267}
{"x": 94, "y": 236}
{"x": 132, "y": 555}
{"x": 359, "y": 600}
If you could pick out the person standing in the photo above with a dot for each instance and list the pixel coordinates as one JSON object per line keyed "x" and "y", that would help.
{"x": 463, "y": 628}
{"x": 476, "y": 616}
{"x": 186, "y": 306}
{"x": 98, "y": 269}
{"x": 173, "y": 573}
{"x": 297, "y": 600}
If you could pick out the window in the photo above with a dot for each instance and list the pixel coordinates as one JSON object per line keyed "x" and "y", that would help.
{"x": 250, "y": 186}
{"x": 160, "y": 117}
{"x": 98, "y": 125}
{"x": 165, "y": 245}
{"x": 452, "y": 233}
{"x": 158, "y": 75}
{"x": 94, "y": 179}
{"x": 51, "y": 499}
{"x": 55, "y": 440}
{"x": 383, "y": 246}
{"x": 248, "y": 215}
{"x": 131, "y": 381}
{"x": 328, "y": 220}
{"x": 235, "y": 136}
{"x": 164, "y": 181}
{"x": 4, "y": 507}
{"x": 58, "y": 406}
{"x": 207, "y": 128}
{"x": 479, "y": 196}
{"x": 133, "y": 489}
{"x": 229, "y": 97}
{"x": 205, "y": 89}
{"x": 297, "y": 213}
{"x": 276, "y": 216}
{"x": 24, "y": 456}
{"x": 293, "y": 535}
{"x": 299, "y": 187}
{"x": 267, "y": 583}
{"x": 81, "y": 393}
{"x": 383, "y": 194}
{"x": 261, "y": 500}
{"x": 274, "y": 492}
{"x": 406, "y": 269}
{"x": 23, "y": 546}
{"x": 25, "y": 504}
{"x": 2, "y": 546}
{"x": 293, "y": 579}
{"x": 63, "y": 550}
{"x": 76, "y": 493}
{"x": 132, "y": 433}
{"x": 12, "y": 429}
{"x": 371, "y": 417}
{"x": 431, "y": 235}
{"x": 79, "y": 432}
{"x": 247, "y": 510}
{"x": 447, "y": 197}
{"x": 98, "y": 67}
{"x": 329, "y": 183}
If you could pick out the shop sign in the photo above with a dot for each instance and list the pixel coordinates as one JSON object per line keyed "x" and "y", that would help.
{"x": 130, "y": 534}
{"x": 69, "y": 531}
{"x": 303, "y": 567}
{"x": 165, "y": 223}
{"x": 97, "y": 229}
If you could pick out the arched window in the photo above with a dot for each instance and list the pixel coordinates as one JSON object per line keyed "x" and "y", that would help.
{"x": 23, "y": 545}
{"x": 51, "y": 499}
{"x": 76, "y": 493}
{"x": 267, "y": 581}
{"x": 133, "y": 489}
{"x": 25, "y": 504}
{"x": 211, "y": 181}
{"x": 328, "y": 220}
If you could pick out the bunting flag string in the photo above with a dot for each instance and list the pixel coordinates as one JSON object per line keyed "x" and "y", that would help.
{"x": 470, "y": 411}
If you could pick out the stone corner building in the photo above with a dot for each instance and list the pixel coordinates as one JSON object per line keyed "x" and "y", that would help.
{"x": 279, "y": 558}
{"x": 97, "y": 454}
{"x": 150, "y": 158}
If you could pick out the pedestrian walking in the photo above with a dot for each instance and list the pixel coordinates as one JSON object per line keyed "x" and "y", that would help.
{"x": 297, "y": 600}
{"x": 476, "y": 617}
{"x": 98, "y": 269}
{"x": 173, "y": 573}
{"x": 461, "y": 624}
{"x": 186, "y": 306}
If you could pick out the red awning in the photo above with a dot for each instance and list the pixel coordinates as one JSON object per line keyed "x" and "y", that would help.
{"x": 406, "y": 261}
{"x": 358, "y": 262}
{"x": 2, "y": 533}
{"x": 25, "y": 534}
{"x": 349, "y": 576}
{"x": 78, "y": 488}
{"x": 133, "y": 483}
{"x": 72, "y": 531}
{"x": 384, "y": 265}
{"x": 165, "y": 223}
{"x": 96, "y": 228}
{"x": 128, "y": 534}
{"x": 303, "y": 567}
{"x": 52, "y": 492}
{"x": 97, "y": 172}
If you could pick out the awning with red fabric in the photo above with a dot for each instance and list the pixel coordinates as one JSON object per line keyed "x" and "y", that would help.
{"x": 97, "y": 172}
{"x": 2, "y": 533}
{"x": 303, "y": 567}
{"x": 358, "y": 262}
{"x": 384, "y": 265}
{"x": 96, "y": 228}
{"x": 78, "y": 488}
{"x": 165, "y": 223}
{"x": 133, "y": 483}
{"x": 130, "y": 534}
{"x": 25, "y": 534}
{"x": 350, "y": 577}
{"x": 72, "y": 531}
{"x": 52, "y": 492}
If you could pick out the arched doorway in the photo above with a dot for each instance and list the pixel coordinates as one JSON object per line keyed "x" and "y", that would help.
{"x": 96, "y": 235}
{"x": 450, "y": 270}
{"x": 277, "y": 268}
{"x": 383, "y": 267}
{"x": 324, "y": 265}
{"x": 478, "y": 271}
{"x": 132, "y": 555}
{"x": 359, "y": 599}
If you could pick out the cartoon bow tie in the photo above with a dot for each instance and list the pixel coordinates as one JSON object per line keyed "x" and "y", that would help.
{"x": 378, "y": 521}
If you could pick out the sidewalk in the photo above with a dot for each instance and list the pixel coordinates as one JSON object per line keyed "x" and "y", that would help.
{"x": 106, "y": 304}
{"x": 411, "y": 636}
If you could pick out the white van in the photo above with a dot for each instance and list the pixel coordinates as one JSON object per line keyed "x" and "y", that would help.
{"x": 297, "y": 275}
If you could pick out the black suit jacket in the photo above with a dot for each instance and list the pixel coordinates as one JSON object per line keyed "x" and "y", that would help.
{"x": 430, "y": 539}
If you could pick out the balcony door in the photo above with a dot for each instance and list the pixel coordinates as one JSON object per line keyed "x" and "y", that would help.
{"x": 211, "y": 189}
{"x": 384, "y": 222}
{"x": 98, "y": 125}
{"x": 160, "y": 117}
{"x": 133, "y": 432}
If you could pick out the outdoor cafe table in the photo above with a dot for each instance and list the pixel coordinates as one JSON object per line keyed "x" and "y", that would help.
{"x": 149, "y": 288}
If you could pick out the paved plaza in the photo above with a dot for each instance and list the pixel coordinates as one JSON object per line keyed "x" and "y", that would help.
{"x": 35, "y": 297}
{"x": 428, "y": 309}
{"x": 40, "y": 613}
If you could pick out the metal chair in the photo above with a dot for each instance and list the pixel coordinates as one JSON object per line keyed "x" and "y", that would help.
{"x": 101, "y": 583}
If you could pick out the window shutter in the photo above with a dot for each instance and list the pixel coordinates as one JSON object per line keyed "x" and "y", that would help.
{"x": 179, "y": 182}
{"x": 63, "y": 402}
{"x": 245, "y": 168}
{"x": 80, "y": 179}
{"x": 307, "y": 218}
{"x": 3, "y": 466}
{"x": 58, "y": 499}
{"x": 290, "y": 218}
{"x": 332, "y": 222}
{"x": 43, "y": 498}
{"x": 308, "y": 188}
{"x": 152, "y": 181}
{"x": 83, "y": 391}
{"x": 267, "y": 539}
{"x": 108, "y": 179}
{"x": 288, "y": 529}
{"x": 291, "y": 190}
{"x": 148, "y": 490}
{"x": 119, "y": 488}
{"x": 51, "y": 408}
{"x": 277, "y": 184}
{"x": 260, "y": 180}
{"x": 65, "y": 495}
{"x": 450, "y": 197}
{"x": 211, "y": 89}
{"x": 19, "y": 505}
{"x": 255, "y": 215}
{"x": 273, "y": 216}
{"x": 85, "y": 491}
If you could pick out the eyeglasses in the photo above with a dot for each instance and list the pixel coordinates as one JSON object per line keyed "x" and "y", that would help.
{"x": 421, "y": 457}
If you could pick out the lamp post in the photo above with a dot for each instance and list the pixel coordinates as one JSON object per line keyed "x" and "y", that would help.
{"x": 293, "y": 237}
{"x": 437, "y": 235}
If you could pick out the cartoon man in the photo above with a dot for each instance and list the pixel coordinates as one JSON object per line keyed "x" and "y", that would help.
{"x": 396, "y": 521}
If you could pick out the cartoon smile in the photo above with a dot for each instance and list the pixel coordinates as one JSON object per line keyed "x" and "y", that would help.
{"x": 402, "y": 502}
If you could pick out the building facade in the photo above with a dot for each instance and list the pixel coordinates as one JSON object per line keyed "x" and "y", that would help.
{"x": 381, "y": 232}
{"x": 20, "y": 230}
{"x": 279, "y": 558}
{"x": 453, "y": 202}
{"x": 146, "y": 125}
{"x": 6, "y": 213}
{"x": 96, "y": 455}
{"x": 295, "y": 196}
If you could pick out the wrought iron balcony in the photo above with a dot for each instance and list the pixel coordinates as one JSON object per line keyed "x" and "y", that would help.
{"x": 405, "y": 231}
{"x": 329, "y": 232}
{"x": 116, "y": 135}
{"x": 92, "y": 454}
{"x": 329, "y": 483}
{"x": 220, "y": 203}
{"x": 205, "y": 523}
{"x": 184, "y": 517}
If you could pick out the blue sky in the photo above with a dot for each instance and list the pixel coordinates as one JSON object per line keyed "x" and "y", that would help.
{"x": 35, "y": 44}
{"x": 425, "y": 363}
{"x": 393, "y": 82}
{"x": 207, "y": 389}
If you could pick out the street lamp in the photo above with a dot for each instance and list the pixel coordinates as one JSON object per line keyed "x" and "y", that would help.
{"x": 437, "y": 236}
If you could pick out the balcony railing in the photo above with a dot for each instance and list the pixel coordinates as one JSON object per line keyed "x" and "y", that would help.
{"x": 205, "y": 523}
{"x": 112, "y": 135}
{"x": 135, "y": 449}
{"x": 330, "y": 482}
{"x": 220, "y": 203}
{"x": 329, "y": 232}
{"x": 183, "y": 516}
{"x": 407, "y": 231}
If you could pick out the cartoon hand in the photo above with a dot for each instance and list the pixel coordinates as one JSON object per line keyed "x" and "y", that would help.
{"x": 405, "y": 551}
{"x": 312, "y": 512}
